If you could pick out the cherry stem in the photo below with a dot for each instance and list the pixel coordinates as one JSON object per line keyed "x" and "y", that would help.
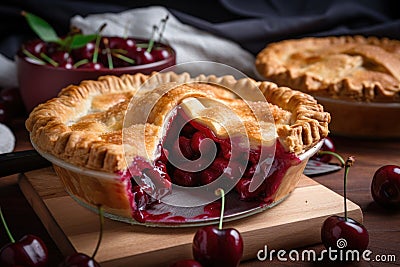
{"x": 151, "y": 41}
{"x": 81, "y": 62}
{"x": 342, "y": 162}
{"x": 108, "y": 51}
{"x": 124, "y": 58}
{"x": 162, "y": 27}
{"x": 30, "y": 55}
{"x": 6, "y": 227}
{"x": 97, "y": 43}
{"x": 49, "y": 59}
{"x": 221, "y": 193}
{"x": 101, "y": 216}
{"x": 349, "y": 162}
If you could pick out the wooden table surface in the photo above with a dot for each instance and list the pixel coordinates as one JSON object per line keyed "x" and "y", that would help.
{"x": 383, "y": 225}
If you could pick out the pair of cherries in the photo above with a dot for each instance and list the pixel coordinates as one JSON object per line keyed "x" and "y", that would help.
{"x": 30, "y": 251}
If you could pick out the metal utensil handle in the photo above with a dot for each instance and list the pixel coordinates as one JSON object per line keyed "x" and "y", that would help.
{"x": 21, "y": 161}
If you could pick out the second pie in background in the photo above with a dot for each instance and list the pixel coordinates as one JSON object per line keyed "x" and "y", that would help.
{"x": 356, "y": 78}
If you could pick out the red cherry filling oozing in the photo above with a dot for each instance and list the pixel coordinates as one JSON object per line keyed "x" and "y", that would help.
{"x": 182, "y": 163}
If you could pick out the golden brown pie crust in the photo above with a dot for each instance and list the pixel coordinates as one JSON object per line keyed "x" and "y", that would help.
{"x": 84, "y": 124}
{"x": 347, "y": 67}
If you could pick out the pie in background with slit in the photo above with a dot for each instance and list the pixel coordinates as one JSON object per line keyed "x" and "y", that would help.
{"x": 353, "y": 77}
{"x": 110, "y": 140}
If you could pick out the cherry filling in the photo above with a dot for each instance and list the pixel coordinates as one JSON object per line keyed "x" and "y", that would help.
{"x": 187, "y": 139}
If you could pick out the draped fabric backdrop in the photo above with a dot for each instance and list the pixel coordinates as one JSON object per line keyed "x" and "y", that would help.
{"x": 237, "y": 30}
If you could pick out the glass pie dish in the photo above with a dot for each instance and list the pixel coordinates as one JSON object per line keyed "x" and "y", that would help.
{"x": 153, "y": 150}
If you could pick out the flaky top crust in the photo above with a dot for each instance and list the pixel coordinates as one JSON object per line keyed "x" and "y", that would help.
{"x": 348, "y": 67}
{"x": 84, "y": 124}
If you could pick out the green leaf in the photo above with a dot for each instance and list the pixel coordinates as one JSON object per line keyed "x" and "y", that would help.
{"x": 41, "y": 27}
{"x": 80, "y": 40}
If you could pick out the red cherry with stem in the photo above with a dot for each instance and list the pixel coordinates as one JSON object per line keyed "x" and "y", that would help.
{"x": 83, "y": 260}
{"x": 61, "y": 57}
{"x": 35, "y": 47}
{"x": 343, "y": 232}
{"x": 214, "y": 246}
{"x": 85, "y": 52}
{"x": 143, "y": 56}
{"x": 29, "y": 251}
{"x": 385, "y": 186}
{"x": 327, "y": 145}
{"x": 160, "y": 53}
{"x": 186, "y": 263}
{"x": 126, "y": 44}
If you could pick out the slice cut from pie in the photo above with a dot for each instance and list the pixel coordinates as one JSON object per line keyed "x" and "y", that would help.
{"x": 132, "y": 146}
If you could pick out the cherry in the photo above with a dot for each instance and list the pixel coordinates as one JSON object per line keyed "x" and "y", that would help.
{"x": 184, "y": 178}
{"x": 219, "y": 165}
{"x": 91, "y": 65}
{"x": 83, "y": 260}
{"x": 143, "y": 56}
{"x": 79, "y": 260}
{"x": 66, "y": 65}
{"x": 110, "y": 51}
{"x": 197, "y": 141}
{"x": 61, "y": 57}
{"x": 336, "y": 228}
{"x": 188, "y": 130}
{"x": 327, "y": 145}
{"x": 126, "y": 44}
{"x": 35, "y": 47}
{"x": 208, "y": 176}
{"x": 160, "y": 54}
{"x": 29, "y": 251}
{"x": 214, "y": 246}
{"x": 186, "y": 263}
{"x": 185, "y": 147}
{"x": 85, "y": 52}
{"x": 343, "y": 232}
{"x": 385, "y": 186}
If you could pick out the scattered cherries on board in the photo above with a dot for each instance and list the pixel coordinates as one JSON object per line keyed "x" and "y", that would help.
{"x": 29, "y": 251}
{"x": 385, "y": 186}
{"x": 344, "y": 233}
{"x": 91, "y": 51}
{"x": 82, "y": 260}
{"x": 215, "y": 246}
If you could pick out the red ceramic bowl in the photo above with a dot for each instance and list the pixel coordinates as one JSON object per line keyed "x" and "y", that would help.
{"x": 39, "y": 83}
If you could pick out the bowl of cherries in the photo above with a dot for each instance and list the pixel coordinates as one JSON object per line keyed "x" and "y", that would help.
{"x": 50, "y": 63}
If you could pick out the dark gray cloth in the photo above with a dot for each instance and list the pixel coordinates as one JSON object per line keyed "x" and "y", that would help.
{"x": 251, "y": 23}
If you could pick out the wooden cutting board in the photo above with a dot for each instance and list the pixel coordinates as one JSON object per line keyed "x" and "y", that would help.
{"x": 296, "y": 222}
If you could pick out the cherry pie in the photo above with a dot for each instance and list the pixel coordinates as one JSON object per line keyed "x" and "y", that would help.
{"x": 348, "y": 67}
{"x": 130, "y": 127}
